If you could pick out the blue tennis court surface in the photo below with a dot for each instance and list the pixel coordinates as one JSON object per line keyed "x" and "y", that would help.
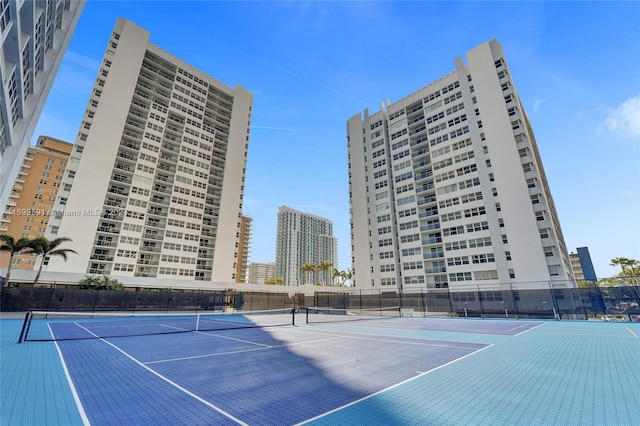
{"x": 395, "y": 371}
{"x": 502, "y": 327}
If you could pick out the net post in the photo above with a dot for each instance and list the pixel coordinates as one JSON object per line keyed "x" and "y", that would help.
{"x": 306, "y": 314}
{"x": 25, "y": 327}
{"x": 293, "y": 316}
{"x": 197, "y": 327}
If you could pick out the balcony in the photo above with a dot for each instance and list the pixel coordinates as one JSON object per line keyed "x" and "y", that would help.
{"x": 429, "y": 241}
{"x": 427, "y": 200}
{"x": 435, "y": 255}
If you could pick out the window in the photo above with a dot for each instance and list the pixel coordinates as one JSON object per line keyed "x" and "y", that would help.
{"x": 387, "y": 268}
{"x": 460, "y": 276}
{"x": 483, "y": 258}
{"x": 456, "y": 261}
{"x": 486, "y": 275}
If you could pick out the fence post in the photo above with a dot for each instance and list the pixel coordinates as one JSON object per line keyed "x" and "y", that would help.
{"x": 450, "y": 302}
{"x": 50, "y": 298}
{"x": 135, "y": 299}
{"x": 556, "y": 312}
{"x": 515, "y": 302}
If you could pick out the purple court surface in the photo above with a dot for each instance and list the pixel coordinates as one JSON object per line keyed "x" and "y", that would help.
{"x": 393, "y": 371}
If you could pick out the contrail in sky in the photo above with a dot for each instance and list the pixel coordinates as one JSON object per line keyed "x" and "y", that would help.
{"x": 301, "y": 77}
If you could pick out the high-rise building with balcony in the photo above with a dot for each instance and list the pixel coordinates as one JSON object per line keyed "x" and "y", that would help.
{"x": 155, "y": 182}
{"x": 244, "y": 248}
{"x": 304, "y": 238}
{"x": 447, "y": 188}
{"x": 34, "y": 36}
{"x": 33, "y": 195}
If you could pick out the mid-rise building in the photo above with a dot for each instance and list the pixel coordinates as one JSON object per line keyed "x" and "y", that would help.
{"x": 34, "y": 36}
{"x": 304, "y": 238}
{"x": 447, "y": 188}
{"x": 33, "y": 195}
{"x": 582, "y": 266}
{"x": 155, "y": 182}
{"x": 260, "y": 273}
{"x": 244, "y": 248}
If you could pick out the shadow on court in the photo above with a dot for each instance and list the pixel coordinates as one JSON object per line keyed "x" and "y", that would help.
{"x": 280, "y": 375}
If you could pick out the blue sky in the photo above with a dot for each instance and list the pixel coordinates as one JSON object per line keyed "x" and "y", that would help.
{"x": 313, "y": 65}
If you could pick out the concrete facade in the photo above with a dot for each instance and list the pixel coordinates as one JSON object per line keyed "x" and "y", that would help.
{"x": 447, "y": 188}
{"x": 259, "y": 273}
{"x": 244, "y": 249}
{"x": 33, "y": 194}
{"x": 155, "y": 183}
{"x": 34, "y": 36}
{"x": 304, "y": 238}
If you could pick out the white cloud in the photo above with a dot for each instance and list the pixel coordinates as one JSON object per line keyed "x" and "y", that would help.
{"x": 82, "y": 60}
{"x": 536, "y": 105}
{"x": 624, "y": 120}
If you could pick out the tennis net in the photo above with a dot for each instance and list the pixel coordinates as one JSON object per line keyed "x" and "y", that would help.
{"x": 320, "y": 315}
{"x": 50, "y": 326}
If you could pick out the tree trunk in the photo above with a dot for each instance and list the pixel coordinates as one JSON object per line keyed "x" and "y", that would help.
{"x": 35, "y": 282}
{"x": 5, "y": 283}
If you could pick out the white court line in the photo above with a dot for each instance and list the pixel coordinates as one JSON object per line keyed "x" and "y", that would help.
{"x": 421, "y": 344}
{"x": 532, "y": 328}
{"x": 76, "y": 398}
{"x": 172, "y": 383}
{"x": 391, "y": 340}
{"x": 388, "y": 388}
{"x": 241, "y": 351}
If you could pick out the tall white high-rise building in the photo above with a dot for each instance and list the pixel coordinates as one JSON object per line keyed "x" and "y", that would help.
{"x": 155, "y": 183}
{"x": 447, "y": 189}
{"x": 304, "y": 238}
{"x": 34, "y": 36}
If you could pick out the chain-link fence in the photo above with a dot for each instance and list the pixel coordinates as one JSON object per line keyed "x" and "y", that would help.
{"x": 621, "y": 303}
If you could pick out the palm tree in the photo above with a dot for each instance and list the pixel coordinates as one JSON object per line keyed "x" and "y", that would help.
{"x": 13, "y": 246}
{"x": 338, "y": 275}
{"x": 108, "y": 283}
{"x": 45, "y": 248}
{"x": 324, "y": 267}
{"x": 308, "y": 267}
{"x": 90, "y": 281}
{"x": 348, "y": 276}
{"x": 630, "y": 268}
